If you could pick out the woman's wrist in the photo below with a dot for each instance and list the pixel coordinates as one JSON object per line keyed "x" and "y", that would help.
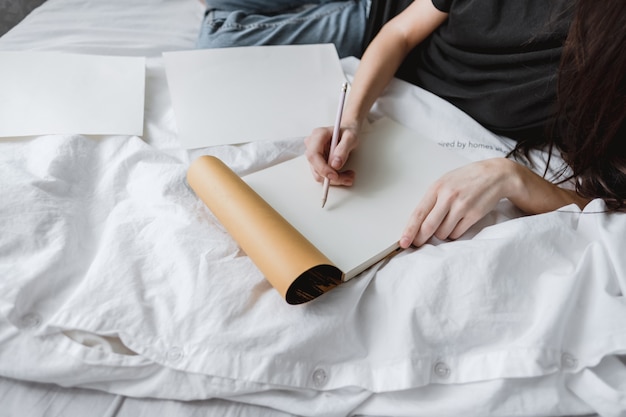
{"x": 534, "y": 194}
{"x": 351, "y": 123}
{"x": 512, "y": 174}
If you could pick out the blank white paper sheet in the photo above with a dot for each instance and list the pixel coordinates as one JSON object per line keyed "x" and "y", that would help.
{"x": 246, "y": 94}
{"x": 60, "y": 93}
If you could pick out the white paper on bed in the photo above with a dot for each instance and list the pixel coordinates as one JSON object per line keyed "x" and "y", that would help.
{"x": 59, "y": 93}
{"x": 243, "y": 94}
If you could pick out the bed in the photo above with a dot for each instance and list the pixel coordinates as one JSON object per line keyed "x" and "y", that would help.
{"x": 121, "y": 295}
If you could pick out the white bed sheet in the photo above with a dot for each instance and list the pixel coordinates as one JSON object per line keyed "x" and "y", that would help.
{"x": 116, "y": 278}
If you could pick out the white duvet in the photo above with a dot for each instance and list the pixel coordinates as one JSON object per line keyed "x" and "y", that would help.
{"x": 114, "y": 276}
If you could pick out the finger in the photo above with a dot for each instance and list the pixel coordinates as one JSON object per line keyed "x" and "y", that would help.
{"x": 347, "y": 143}
{"x": 345, "y": 178}
{"x": 448, "y": 224}
{"x": 316, "y": 176}
{"x": 432, "y": 222}
{"x": 416, "y": 219}
{"x": 463, "y": 226}
{"x": 460, "y": 228}
{"x": 316, "y": 152}
{"x": 463, "y": 215}
{"x": 320, "y": 168}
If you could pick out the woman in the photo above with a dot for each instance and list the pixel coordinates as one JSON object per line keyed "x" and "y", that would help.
{"x": 589, "y": 121}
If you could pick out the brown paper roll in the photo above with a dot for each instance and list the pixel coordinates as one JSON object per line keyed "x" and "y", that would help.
{"x": 296, "y": 268}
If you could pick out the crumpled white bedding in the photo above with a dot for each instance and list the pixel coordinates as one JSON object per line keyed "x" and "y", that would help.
{"x": 114, "y": 276}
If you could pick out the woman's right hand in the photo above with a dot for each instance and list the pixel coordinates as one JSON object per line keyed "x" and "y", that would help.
{"x": 317, "y": 149}
{"x": 378, "y": 65}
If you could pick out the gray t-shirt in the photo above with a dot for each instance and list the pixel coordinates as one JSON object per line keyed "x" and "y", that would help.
{"x": 497, "y": 60}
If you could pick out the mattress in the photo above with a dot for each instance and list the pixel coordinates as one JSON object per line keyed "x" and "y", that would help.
{"x": 121, "y": 294}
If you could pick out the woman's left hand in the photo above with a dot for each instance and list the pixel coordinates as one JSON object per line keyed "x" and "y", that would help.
{"x": 459, "y": 199}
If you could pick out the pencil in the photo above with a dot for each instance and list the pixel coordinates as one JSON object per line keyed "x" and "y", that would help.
{"x": 335, "y": 139}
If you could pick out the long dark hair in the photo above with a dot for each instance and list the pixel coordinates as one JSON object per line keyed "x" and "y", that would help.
{"x": 590, "y": 122}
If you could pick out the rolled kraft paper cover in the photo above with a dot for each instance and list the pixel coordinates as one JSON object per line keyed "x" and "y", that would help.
{"x": 296, "y": 268}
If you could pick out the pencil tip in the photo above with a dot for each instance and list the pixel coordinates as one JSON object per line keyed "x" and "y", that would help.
{"x": 323, "y": 203}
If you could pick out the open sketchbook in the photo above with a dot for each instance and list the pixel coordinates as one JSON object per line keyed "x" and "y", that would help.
{"x": 244, "y": 94}
{"x": 304, "y": 250}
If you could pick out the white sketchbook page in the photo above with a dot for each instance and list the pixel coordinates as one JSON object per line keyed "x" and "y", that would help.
{"x": 60, "y": 93}
{"x": 245, "y": 94}
{"x": 360, "y": 224}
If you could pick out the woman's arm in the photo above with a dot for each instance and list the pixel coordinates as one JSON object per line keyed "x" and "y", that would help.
{"x": 379, "y": 64}
{"x": 464, "y": 196}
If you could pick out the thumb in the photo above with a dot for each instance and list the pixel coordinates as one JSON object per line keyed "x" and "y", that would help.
{"x": 343, "y": 149}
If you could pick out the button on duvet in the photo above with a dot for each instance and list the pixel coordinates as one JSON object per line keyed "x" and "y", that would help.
{"x": 441, "y": 370}
{"x": 319, "y": 377}
{"x": 30, "y": 321}
{"x": 175, "y": 354}
{"x": 568, "y": 361}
